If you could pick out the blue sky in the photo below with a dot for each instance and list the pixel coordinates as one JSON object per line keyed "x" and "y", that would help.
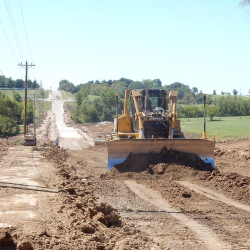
{"x": 203, "y": 44}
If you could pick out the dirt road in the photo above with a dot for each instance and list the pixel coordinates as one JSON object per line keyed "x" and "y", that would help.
{"x": 63, "y": 199}
{"x": 68, "y": 136}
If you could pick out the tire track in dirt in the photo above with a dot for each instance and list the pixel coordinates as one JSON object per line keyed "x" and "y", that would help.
{"x": 205, "y": 234}
{"x": 214, "y": 195}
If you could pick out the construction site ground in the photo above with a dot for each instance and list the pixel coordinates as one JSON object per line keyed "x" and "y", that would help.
{"x": 65, "y": 199}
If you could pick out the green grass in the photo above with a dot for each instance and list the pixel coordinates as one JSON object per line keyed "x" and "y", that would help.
{"x": 30, "y": 93}
{"x": 63, "y": 95}
{"x": 92, "y": 97}
{"x": 9, "y": 93}
{"x": 69, "y": 94}
{"x": 72, "y": 103}
{"x": 224, "y": 128}
{"x": 47, "y": 105}
{"x": 66, "y": 95}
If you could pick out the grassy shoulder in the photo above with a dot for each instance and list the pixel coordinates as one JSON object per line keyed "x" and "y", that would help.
{"x": 224, "y": 128}
{"x": 47, "y": 105}
{"x": 72, "y": 103}
{"x": 66, "y": 95}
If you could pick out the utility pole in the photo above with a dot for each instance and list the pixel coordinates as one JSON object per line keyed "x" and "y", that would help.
{"x": 26, "y": 66}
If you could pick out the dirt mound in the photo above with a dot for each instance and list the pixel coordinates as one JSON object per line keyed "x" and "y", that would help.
{"x": 232, "y": 184}
{"x": 158, "y": 163}
{"x": 84, "y": 222}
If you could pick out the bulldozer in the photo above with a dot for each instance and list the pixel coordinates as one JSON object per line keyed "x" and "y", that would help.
{"x": 149, "y": 123}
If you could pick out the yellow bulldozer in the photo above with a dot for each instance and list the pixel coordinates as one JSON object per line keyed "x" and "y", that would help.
{"x": 149, "y": 123}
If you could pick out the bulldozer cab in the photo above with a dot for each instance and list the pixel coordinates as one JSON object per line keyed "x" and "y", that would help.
{"x": 150, "y": 100}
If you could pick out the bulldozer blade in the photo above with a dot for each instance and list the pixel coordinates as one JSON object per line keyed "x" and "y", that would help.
{"x": 118, "y": 150}
{"x": 29, "y": 143}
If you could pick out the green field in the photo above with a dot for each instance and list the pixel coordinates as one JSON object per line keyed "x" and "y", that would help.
{"x": 72, "y": 103}
{"x": 30, "y": 93}
{"x": 9, "y": 93}
{"x": 67, "y": 95}
{"x": 224, "y": 128}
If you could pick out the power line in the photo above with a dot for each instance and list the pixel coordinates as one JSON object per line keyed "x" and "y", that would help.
{"x": 14, "y": 29}
{"x": 26, "y": 31}
{"x": 8, "y": 41}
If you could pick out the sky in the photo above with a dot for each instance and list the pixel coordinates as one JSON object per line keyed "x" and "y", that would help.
{"x": 200, "y": 43}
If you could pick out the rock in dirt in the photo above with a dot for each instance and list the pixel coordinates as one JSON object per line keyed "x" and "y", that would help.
{"x": 87, "y": 228}
{"x": 101, "y": 218}
{"x": 113, "y": 217}
{"x": 105, "y": 208}
{"x": 186, "y": 195}
{"x": 25, "y": 246}
{"x": 6, "y": 241}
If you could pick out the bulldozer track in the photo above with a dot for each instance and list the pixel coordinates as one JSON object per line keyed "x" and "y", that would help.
{"x": 209, "y": 237}
{"x": 214, "y": 195}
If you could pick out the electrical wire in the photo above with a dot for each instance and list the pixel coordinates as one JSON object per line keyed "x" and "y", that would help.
{"x": 14, "y": 29}
{"x": 26, "y": 32}
{"x": 8, "y": 41}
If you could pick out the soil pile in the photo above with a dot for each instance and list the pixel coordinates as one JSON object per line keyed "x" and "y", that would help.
{"x": 91, "y": 224}
{"x": 232, "y": 184}
{"x": 233, "y": 155}
{"x": 158, "y": 164}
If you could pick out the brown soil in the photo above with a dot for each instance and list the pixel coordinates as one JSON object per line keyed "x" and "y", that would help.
{"x": 85, "y": 208}
{"x": 158, "y": 165}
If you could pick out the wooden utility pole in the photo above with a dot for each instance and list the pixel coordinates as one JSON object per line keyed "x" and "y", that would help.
{"x": 26, "y": 66}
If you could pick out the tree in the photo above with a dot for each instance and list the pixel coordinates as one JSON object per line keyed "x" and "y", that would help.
{"x": 222, "y": 92}
{"x": 19, "y": 83}
{"x": 10, "y": 115}
{"x": 212, "y": 111}
{"x": 191, "y": 111}
{"x": 156, "y": 83}
{"x": 136, "y": 85}
{"x": 67, "y": 86}
{"x": 127, "y": 81}
{"x": 187, "y": 99}
{"x": 17, "y": 97}
{"x": 63, "y": 81}
{"x": 81, "y": 95}
{"x": 235, "y": 92}
{"x": 180, "y": 87}
{"x": 214, "y": 92}
{"x": 195, "y": 90}
{"x": 244, "y": 3}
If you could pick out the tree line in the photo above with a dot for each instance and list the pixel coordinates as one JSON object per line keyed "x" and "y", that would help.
{"x": 18, "y": 83}
{"x": 189, "y": 100}
{"x": 221, "y": 106}
{"x": 12, "y": 113}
